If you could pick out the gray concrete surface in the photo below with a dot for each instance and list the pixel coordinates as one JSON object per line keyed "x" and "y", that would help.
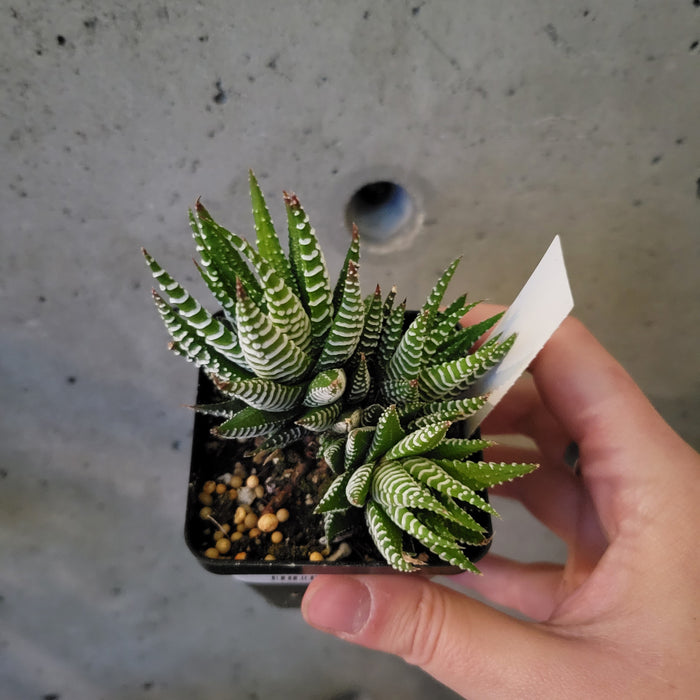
{"x": 506, "y": 123}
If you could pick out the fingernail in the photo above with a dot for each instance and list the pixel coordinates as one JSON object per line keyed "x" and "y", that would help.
{"x": 339, "y": 604}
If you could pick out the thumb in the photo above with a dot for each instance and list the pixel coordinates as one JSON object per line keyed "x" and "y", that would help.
{"x": 464, "y": 644}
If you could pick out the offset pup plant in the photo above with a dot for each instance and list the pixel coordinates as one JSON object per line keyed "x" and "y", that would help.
{"x": 294, "y": 358}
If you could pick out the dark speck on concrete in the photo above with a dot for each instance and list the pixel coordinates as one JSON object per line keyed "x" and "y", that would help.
{"x": 694, "y": 45}
{"x": 3, "y": 473}
{"x": 51, "y": 696}
{"x": 551, "y": 31}
{"x": 90, "y": 24}
{"x": 510, "y": 92}
{"x": 175, "y": 445}
{"x": 415, "y": 10}
{"x": 41, "y": 298}
{"x": 697, "y": 188}
{"x": 637, "y": 203}
{"x": 656, "y": 159}
{"x": 366, "y": 14}
{"x": 204, "y": 37}
{"x": 71, "y": 379}
{"x": 272, "y": 63}
{"x": 116, "y": 591}
{"x": 680, "y": 140}
{"x": 61, "y": 40}
{"x": 147, "y": 685}
{"x": 221, "y": 95}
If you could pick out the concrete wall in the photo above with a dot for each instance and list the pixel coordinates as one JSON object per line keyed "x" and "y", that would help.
{"x": 507, "y": 123}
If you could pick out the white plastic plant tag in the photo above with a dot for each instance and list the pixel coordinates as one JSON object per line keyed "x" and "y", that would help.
{"x": 543, "y": 303}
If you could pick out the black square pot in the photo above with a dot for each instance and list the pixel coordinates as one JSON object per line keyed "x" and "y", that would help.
{"x": 282, "y": 582}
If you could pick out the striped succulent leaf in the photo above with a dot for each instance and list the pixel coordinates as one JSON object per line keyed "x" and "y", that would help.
{"x": 294, "y": 357}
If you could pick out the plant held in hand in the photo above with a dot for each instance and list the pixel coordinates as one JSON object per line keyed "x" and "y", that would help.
{"x": 292, "y": 356}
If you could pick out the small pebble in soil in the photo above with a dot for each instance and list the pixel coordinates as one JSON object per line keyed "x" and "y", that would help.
{"x": 315, "y": 556}
{"x": 240, "y": 556}
{"x": 268, "y": 522}
{"x": 276, "y": 537}
{"x": 212, "y": 553}
{"x": 252, "y": 481}
{"x": 223, "y": 545}
{"x": 282, "y": 515}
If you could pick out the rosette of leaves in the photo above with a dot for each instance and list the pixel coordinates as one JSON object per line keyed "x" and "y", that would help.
{"x": 293, "y": 355}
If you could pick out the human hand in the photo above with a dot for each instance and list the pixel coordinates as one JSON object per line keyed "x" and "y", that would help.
{"x": 619, "y": 619}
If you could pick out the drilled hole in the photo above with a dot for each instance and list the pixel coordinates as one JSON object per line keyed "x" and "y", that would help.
{"x": 382, "y": 211}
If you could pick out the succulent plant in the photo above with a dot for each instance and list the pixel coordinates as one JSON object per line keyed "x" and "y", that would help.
{"x": 293, "y": 356}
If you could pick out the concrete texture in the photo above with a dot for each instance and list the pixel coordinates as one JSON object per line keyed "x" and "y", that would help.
{"x": 506, "y": 125}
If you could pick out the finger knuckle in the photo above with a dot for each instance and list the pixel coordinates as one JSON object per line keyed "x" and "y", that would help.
{"x": 424, "y": 627}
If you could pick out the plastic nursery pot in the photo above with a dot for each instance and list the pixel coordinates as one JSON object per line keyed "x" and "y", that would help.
{"x": 282, "y": 580}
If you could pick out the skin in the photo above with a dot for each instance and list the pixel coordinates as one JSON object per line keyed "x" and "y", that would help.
{"x": 620, "y": 617}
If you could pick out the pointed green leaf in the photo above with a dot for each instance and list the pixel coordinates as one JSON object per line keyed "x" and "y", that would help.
{"x": 392, "y": 485}
{"x": 450, "y": 410}
{"x": 419, "y": 441}
{"x": 190, "y": 345}
{"x": 372, "y": 326}
{"x": 310, "y": 271}
{"x": 279, "y": 301}
{"x": 404, "y": 519}
{"x": 406, "y": 361}
{"x": 251, "y": 422}
{"x": 444, "y": 380}
{"x": 221, "y": 409}
{"x": 391, "y": 335}
{"x": 360, "y": 383}
{"x": 482, "y": 475}
{"x": 370, "y": 414}
{"x": 268, "y": 351}
{"x": 389, "y": 432}
{"x": 334, "y": 499}
{"x": 279, "y": 440}
{"x": 448, "y": 528}
{"x": 326, "y": 387}
{"x": 357, "y": 444}
{"x": 353, "y": 255}
{"x": 320, "y": 418}
{"x": 196, "y": 318}
{"x": 268, "y": 241}
{"x": 346, "y": 327}
{"x": 214, "y": 245}
{"x": 432, "y": 475}
{"x": 348, "y": 420}
{"x": 337, "y": 525}
{"x": 387, "y": 537}
{"x": 333, "y": 452}
{"x": 461, "y": 342}
{"x": 458, "y": 448}
{"x": 265, "y": 394}
{"x": 399, "y": 391}
{"x": 359, "y": 484}
{"x": 446, "y": 325}
{"x": 438, "y": 292}
{"x": 455, "y": 512}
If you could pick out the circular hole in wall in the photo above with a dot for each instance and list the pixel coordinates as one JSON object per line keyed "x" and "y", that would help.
{"x": 382, "y": 210}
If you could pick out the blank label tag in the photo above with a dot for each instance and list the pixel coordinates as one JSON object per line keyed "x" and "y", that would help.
{"x": 543, "y": 303}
